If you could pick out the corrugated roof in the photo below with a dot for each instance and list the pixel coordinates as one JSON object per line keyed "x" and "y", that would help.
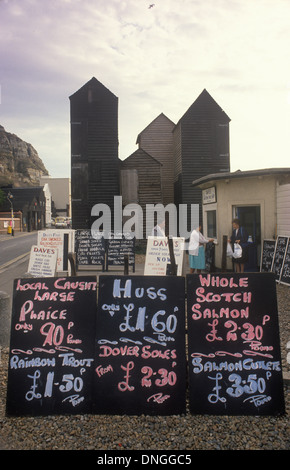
{"x": 240, "y": 174}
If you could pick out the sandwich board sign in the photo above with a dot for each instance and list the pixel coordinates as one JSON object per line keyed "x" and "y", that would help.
{"x": 42, "y": 261}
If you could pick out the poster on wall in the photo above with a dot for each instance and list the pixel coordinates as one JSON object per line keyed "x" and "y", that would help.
{"x": 233, "y": 345}
{"x": 140, "y": 363}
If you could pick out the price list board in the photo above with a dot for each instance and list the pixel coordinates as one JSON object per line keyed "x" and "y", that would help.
{"x": 268, "y": 250}
{"x": 278, "y": 258}
{"x": 90, "y": 250}
{"x": 140, "y": 363}
{"x": 285, "y": 273}
{"x": 52, "y": 346}
{"x": 233, "y": 345}
{"x": 118, "y": 248}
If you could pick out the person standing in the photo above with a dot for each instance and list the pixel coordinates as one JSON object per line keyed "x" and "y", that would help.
{"x": 159, "y": 229}
{"x": 240, "y": 236}
{"x": 196, "y": 250}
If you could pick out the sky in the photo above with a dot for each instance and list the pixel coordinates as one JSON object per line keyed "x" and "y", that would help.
{"x": 155, "y": 60}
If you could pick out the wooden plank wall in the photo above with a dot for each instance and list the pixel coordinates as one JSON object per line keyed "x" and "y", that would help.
{"x": 94, "y": 148}
{"x": 177, "y": 144}
{"x": 149, "y": 179}
{"x": 157, "y": 140}
{"x": 201, "y": 143}
{"x": 283, "y": 209}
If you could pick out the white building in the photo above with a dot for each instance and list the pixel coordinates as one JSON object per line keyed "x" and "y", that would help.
{"x": 48, "y": 198}
{"x": 259, "y": 198}
{"x": 60, "y": 189}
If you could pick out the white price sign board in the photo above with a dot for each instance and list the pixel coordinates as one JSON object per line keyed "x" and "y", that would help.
{"x": 158, "y": 255}
{"x": 62, "y": 241}
{"x": 42, "y": 261}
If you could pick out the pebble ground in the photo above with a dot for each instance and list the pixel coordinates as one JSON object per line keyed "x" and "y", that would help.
{"x": 172, "y": 433}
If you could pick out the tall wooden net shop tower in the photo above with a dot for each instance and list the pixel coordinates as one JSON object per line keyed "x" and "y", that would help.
{"x": 94, "y": 151}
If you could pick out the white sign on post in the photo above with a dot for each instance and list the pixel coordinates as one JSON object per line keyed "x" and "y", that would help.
{"x": 62, "y": 241}
{"x": 158, "y": 256}
{"x": 42, "y": 261}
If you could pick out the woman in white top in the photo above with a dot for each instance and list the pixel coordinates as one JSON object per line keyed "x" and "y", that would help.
{"x": 159, "y": 230}
{"x": 196, "y": 250}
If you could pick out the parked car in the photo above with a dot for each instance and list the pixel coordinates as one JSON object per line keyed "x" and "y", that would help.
{"x": 60, "y": 222}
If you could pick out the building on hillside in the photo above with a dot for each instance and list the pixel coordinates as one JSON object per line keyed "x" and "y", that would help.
{"x": 94, "y": 151}
{"x": 201, "y": 147}
{"x": 141, "y": 176}
{"x": 259, "y": 198}
{"x": 157, "y": 140}
{"x": 27, "y": 206}
{"x": 60, "y": 189}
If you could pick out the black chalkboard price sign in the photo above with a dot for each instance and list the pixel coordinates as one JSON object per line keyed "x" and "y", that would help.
{"x": 118, "y": 246}
{"x": 285, "y": 274}
{"x": 268, "y": 249}
{"x": 233, "y": 343}
{"x": 140, "y": 365}
{"x": 209, "y": 256}
{"x": 90, "y": 250}
{"x": 52, "y": 346}
{"x": 278, "y": 259}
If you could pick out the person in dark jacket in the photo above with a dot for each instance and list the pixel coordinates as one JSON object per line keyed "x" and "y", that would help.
{"x": 240, "y": 236}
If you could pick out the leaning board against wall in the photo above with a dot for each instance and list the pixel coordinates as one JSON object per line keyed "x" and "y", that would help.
{"x": 140, "y": 346}
{"x": 234, "y": 347}
{"x": 52, "y": 346}
{"x": 279, "y": 254}
{"x": 267, "y": 254}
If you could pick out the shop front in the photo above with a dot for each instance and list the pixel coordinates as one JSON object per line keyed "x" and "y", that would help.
{"x": 250, "y": 196}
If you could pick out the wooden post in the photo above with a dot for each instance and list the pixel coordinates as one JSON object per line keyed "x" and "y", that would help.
{"x": 224, "y": 253}
{"x": 72, "y": 260}
{"x": 173, "y": 265}
{"x": 126, "y": 265}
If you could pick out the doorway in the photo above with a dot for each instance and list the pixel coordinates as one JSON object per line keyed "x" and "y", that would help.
{"x": 250, "y": 219}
